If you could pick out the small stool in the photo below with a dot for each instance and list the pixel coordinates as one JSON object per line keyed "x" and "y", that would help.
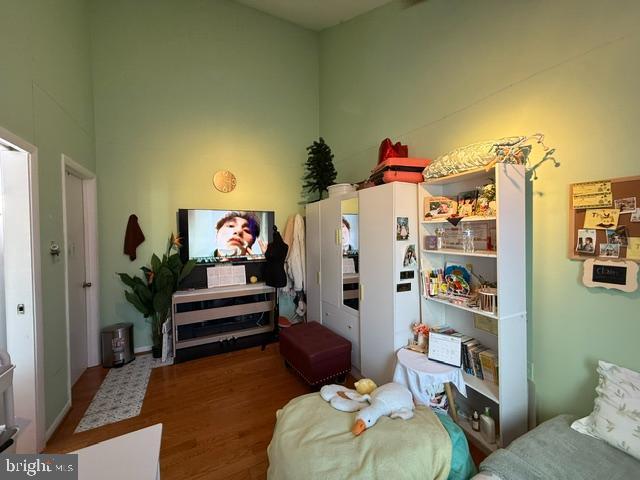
{"x": 421, "y": 375}
{"x": 315, "y": 352}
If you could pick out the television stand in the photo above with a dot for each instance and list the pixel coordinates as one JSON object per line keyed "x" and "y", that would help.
{"x": 221, "y": 319}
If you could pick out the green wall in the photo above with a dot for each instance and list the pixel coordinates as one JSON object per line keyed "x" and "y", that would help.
{"x": 446, "y": 73}
{"x": 183, "y": 89}
{"x": 46, "y": 98}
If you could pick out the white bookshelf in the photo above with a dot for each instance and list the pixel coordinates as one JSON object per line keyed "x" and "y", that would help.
{"x": 507, "y": 266}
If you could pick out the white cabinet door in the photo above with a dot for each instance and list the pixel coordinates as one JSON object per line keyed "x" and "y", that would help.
{"x": 377, "y": 251}
{"x": 331, "y": 256}
{"x": 313, "y": 262}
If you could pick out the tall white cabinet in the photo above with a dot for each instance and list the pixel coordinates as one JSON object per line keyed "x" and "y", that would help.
{"x": 505, "y": 264}
{"x": 389, "y": 290}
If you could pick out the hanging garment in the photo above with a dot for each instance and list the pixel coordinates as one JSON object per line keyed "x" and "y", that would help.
{"x": 274, "y": 274}
{"x": 295, "y": 264}
{"x": 133, "y": 237}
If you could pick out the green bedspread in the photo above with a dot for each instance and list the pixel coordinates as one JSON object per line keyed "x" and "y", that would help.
{"x": 312, "y": 440}
{"x": 554, "y": 451}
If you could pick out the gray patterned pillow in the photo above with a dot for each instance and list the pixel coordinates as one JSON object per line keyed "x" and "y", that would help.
{"x": 508, "y": 149}
{"x": 616, "y": 412}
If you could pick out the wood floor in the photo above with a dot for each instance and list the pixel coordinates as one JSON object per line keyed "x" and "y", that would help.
{"x": 217, "y": 412}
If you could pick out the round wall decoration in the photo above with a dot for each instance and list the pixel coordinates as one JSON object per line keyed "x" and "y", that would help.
{"x": 224, "y": 181}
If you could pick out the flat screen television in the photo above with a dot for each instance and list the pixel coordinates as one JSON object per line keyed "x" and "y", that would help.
{"x": 215, "y": 236}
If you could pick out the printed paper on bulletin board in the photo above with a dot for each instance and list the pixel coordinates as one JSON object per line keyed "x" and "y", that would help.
{"x": 592, "y": 195}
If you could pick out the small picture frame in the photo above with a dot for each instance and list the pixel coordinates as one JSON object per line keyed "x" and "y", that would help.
{"x": 439, "y": 207}
{"x": 467, "y": 203}
{"x": 402, "y": 228}
{"x": 430, "y": 242}
{"x": 635, "y": 216}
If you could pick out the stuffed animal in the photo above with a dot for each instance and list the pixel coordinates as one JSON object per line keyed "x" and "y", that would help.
{"x": 343, "y": 399}
{"x": 392, "y": 399}
{"x": 365, "y": 386}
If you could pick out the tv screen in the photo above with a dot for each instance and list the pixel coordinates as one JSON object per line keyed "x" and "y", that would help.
{"x": 212, "y": 236}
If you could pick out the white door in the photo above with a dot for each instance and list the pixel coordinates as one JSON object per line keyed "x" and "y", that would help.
{"x": 19, "y": 292}
{"x": 76, "y": 264}
{"x": 331, "y": 246}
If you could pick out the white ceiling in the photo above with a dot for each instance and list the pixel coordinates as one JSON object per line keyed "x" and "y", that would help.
{"x": 314, "y": 14}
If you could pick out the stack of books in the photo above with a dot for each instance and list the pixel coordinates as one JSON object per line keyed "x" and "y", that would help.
{"x": 479, "y": 361}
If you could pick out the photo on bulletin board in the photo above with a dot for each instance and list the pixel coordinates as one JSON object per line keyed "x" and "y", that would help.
{"x": 618, "y": 236}
{"x": 626, "y": 205}
{"x": 402, "y": 228}
{"x": 635, "y": 216}
{"x": 586, "y": 241}
{"x": 410, "y": 260}
{"x": 609, "y": 250}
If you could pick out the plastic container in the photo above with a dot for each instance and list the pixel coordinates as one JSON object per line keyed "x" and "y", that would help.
{"x": 340, "y": 189}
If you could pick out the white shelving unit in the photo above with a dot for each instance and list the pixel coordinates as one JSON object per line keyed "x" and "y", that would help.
{"x": 506, "y": 265}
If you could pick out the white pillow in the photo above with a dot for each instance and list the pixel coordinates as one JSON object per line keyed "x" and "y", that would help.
{"x": 616, "y": 412}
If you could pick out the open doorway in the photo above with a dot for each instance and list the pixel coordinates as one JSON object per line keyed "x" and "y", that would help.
{"x": 81, "y": 267}
{"x": 20, "y": 320}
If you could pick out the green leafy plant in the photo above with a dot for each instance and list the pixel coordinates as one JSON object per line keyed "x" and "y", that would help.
{"x": 151, "y": 294}
{"x": 320, "y": 170}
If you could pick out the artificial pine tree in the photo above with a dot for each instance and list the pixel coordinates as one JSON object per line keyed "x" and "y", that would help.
{"x": 320, "y": 170}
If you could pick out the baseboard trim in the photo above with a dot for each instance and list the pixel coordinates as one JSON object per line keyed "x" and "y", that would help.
{"x": 56, "y": 423}
{"x": 143, "y": 349}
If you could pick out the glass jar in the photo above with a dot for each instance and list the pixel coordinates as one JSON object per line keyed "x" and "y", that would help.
{"x": 467, "y": 241}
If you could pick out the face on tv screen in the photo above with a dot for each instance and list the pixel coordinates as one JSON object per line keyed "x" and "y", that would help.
{"x": 219, "y": 235}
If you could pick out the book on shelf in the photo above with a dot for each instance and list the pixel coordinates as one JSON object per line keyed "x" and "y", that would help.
{"x": 489, "y": 362}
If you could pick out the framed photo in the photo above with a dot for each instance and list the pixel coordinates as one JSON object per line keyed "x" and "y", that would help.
{"x": 618, "y": 236}
{"x": 626, "y": 205}
{"x": 609, "y": 250}
{"x": 439, "y": 207}
{"x": 635, "y": 216}
{"x": 402, "y": 228}
{"x": 467, "y": 203}
{"x": 586, "y": 241}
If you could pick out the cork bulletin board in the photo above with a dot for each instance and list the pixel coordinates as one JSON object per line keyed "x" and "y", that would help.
{"x": 596, "y": 201}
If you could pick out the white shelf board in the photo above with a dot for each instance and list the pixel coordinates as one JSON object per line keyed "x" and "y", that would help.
{"x": 477, "y": 439}
{"x": 454, "y": 251}
{"x": 461, "y": 307}
{"x": 489, "y": 390}
{"x": 480, "y": 172}
{"x": 463, "y": 220}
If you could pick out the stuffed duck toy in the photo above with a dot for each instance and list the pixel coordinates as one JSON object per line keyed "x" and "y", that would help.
{"x": 392, "y": 399}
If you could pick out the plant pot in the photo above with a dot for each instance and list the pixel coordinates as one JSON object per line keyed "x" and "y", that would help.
{"x": 156, "y": 352}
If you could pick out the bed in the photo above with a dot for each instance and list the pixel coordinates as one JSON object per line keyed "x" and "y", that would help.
{"x": 312, "y": 440}
{"x": 555, "y": 451}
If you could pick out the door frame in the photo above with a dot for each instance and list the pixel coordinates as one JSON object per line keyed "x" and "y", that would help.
{"x": 90, "y": 201}
{"x": 36, "y": 268}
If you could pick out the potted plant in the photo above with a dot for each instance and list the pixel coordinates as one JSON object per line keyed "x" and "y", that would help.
{"x": 320, "y": 170}
{"x": 151, "y": 294}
